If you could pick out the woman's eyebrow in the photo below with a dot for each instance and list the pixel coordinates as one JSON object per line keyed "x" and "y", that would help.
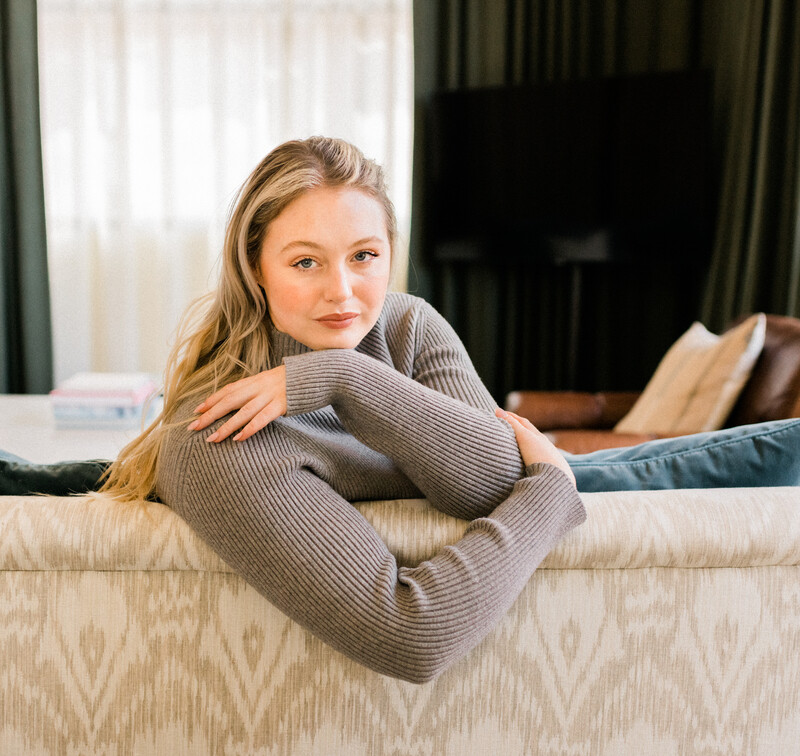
{"x": 300, "y": 243}
{"x": 367, "y": 240}
{"x": 313, "y": 245}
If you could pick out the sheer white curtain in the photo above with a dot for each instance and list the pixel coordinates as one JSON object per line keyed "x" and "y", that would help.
{"x": 155, "y": 111}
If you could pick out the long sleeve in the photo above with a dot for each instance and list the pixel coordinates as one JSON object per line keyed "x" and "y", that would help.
{"x": 463, "y": 459}
{"x": 312, "y": 554}
{"x": 458, "y": 454}
{"x": 441, "y": 362}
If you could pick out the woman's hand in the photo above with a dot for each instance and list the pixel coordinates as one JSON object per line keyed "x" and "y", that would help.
{"x": 534, "y": 446}
{"x": 260, "y": 399}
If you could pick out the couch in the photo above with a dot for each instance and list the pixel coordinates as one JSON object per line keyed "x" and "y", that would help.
{"x": 582, "y": 422}
{"x": 668, "y": 623}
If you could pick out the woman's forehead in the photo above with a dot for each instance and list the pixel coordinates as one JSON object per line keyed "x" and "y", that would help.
{"x": 327, "y": 215}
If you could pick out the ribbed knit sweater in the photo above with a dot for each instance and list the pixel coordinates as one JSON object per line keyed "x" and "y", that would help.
{"x": 402, "y": 415}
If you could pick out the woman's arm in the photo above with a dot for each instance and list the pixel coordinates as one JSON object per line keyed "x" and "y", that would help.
{"x": 441, "y": 361}
{"x": 312, "y": 555}
{"x": 438, "y": 425}
{"x": 464, "y": 460}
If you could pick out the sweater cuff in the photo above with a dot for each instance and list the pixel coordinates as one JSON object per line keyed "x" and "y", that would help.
{"x": 558, "y": 502}
{"x": 537, "y": 468}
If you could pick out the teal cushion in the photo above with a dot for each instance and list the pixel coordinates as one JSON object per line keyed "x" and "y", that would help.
{"x": 765, "y": 454}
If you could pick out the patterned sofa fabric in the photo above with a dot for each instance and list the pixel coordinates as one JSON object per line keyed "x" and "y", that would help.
{"x": 668, "y": 623}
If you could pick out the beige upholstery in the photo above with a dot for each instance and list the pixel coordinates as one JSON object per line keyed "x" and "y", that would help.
{"x": 668, "y": 623}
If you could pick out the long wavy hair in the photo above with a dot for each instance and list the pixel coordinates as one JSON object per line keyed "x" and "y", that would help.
{"x": 224, "y": 335}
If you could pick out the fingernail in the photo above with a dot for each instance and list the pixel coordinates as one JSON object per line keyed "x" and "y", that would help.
{"x": 193, "y": 426}
{"x": 212, "y": 437}
{"x": 237, "y": 437}
{"x": 501, "y": 413}
{"x": 198, "y": 409}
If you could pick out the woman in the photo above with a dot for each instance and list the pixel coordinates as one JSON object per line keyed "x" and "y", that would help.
{"x": 365, "y": 395}
{"x": 334, "y": 391}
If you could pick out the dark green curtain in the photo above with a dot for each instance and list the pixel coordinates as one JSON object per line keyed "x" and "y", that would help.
{"x": 517, "y": 324}
{"x": 756, "y": 261}
{"x": 25, "y": 340}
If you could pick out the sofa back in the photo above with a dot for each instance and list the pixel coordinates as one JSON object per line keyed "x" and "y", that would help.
{"x": 668, "y": 623}
{"x": 773, "y": 391}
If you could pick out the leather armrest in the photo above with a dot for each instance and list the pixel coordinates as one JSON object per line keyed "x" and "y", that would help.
{"x": 616, "y": 404}
{"x": 548, "y": 410}
{"x": 585, "y": 441}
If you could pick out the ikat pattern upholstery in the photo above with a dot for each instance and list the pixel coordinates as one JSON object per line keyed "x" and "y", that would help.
{"x": 668, "y": 623}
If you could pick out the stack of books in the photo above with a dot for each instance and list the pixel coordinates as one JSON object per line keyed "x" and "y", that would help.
{"x": 105, "y": 400}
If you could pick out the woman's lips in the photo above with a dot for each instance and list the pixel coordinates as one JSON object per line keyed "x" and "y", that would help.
{"x": 338, "y": 320}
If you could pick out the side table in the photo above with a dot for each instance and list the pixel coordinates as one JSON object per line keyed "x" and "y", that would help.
{"x": 27, "y": 429}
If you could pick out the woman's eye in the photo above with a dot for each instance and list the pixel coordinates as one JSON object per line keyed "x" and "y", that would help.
{"x": 363, "y": 255}
{"x": 305, "y": 263}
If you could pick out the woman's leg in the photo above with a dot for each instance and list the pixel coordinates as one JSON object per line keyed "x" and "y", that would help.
{"x": 9, "y": 457}
{"x": 764, "y": 454}
{"x": 19, "y": 477}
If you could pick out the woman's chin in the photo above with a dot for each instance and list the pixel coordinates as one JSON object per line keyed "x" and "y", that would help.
{"x": 348, "y": 339}
{"x": 338, "y": 344}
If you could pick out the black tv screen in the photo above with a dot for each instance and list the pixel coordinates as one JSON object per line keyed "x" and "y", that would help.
{"x": 627, "y": 156}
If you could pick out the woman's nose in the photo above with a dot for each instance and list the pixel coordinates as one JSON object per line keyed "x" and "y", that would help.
{"x": 337, "y": 286}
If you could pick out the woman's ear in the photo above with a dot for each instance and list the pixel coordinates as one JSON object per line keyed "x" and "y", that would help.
{"x": 259, "y": 278}
{"x": 259, "y": 281}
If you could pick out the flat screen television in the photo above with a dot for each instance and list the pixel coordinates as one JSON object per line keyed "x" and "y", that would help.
{"x": 627, "y": 158}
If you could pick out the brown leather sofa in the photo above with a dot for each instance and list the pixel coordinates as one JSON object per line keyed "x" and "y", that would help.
{"x": 581, "y": 422}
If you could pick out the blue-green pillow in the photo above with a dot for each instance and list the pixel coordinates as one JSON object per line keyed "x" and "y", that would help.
{"x": 765, "y": 454}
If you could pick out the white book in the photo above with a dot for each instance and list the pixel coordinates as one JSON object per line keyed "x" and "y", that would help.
{"x": 104, "y": 390}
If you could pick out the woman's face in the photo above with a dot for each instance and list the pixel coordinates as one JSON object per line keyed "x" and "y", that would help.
{"x": 325, "y": 265}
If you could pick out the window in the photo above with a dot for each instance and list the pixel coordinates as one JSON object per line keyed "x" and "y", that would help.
{"x": 155, "y": 111}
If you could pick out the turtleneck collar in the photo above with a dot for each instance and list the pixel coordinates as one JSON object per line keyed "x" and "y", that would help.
{"x": 283, "y": 345}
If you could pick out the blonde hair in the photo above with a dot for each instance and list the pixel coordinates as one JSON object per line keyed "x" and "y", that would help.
{"x": 224, "y": 336}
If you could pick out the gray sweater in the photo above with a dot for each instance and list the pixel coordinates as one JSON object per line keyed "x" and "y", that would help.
{"x": 403, "y": 415}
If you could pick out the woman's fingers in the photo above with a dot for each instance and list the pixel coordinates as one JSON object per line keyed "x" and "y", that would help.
{"x": 523, "y": 421}
{"x": 240, "y": 419}
{"x": 224, "y": 393}
{"x": 261, "y": 420}
{"x": 251, "y": 418}
{"x": 220, "y": 407}
{"x": 256, "y": 401}
{"x": 534, "y": 446}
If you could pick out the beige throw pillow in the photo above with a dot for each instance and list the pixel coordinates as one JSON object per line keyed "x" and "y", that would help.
{"x": 698, "y": 381}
